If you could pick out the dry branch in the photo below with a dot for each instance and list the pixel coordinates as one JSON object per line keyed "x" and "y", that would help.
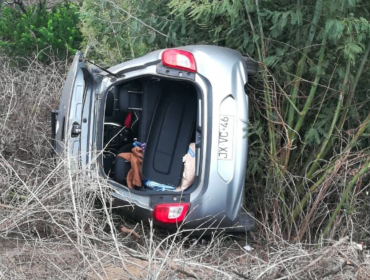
{"x": 129, "y": 231}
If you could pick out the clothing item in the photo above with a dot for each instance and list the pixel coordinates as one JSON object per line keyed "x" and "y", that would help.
{"x": 157, "y": 186}
{"x": 189, "y": 169}
{"x": 128, "y": 120}
{"x": 134, "y": 176}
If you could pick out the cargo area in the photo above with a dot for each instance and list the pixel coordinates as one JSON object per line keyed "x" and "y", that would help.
{"x": 157, "y": 118}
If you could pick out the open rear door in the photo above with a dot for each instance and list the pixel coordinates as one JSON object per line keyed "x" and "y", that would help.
{"x": 77, "y": 92}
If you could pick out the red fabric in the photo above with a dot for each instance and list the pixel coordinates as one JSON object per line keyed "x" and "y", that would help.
{"x": 128, "y": 120}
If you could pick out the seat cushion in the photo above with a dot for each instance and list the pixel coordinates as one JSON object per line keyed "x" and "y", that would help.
{"x": 169, "y": 135}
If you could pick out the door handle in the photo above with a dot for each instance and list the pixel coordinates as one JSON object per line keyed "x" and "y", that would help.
{"x": 76, "y": 129}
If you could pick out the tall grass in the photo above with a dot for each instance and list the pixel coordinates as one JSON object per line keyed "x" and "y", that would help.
{"x": 40, "y": 238}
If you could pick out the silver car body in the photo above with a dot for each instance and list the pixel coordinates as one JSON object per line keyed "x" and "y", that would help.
{"x": 221, "y": 75}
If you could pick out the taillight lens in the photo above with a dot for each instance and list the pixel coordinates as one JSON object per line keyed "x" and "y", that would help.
{"x": 171, "y": 212}
{"x": 179, "y": 59}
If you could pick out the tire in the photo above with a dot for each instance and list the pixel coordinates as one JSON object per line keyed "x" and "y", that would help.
{"x": 252, "y": 66}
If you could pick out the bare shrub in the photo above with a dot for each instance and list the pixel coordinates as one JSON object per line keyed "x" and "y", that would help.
{"x": 51, "y": 227}
{"x": 27, "y": 97}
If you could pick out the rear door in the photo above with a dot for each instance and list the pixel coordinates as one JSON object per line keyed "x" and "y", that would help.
{"x": 72, "y": 115}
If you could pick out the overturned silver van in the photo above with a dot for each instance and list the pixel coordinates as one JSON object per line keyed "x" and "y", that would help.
{"x": 168, "y": 130}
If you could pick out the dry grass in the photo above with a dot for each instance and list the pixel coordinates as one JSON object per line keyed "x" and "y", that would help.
{"x": 50, "y": 227}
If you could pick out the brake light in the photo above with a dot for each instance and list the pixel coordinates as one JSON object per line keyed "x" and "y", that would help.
{"x": 179, "y": 59}
{"x": 171, "y": 212}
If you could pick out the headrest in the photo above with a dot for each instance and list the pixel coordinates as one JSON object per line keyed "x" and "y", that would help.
{"x": 129, "y": 100}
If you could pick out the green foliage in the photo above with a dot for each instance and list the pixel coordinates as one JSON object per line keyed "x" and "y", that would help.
{"x": 114, "y": 33}
{"x": 309, "y": 105}
{"x": 313, "y": 50}
{"x": 40, "y": 32}
{"x": 118, "y": 30}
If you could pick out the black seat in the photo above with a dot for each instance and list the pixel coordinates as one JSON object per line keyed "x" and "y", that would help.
{"x": 122, "y": 167}
{"x": 152, "y": 90}
{"x": 170, "y": 134}
{"x": 111, "y": 106}
{"x": 130, "y": 97}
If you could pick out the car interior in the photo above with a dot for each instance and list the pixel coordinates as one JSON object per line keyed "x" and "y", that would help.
{"x": 161, "y": 113}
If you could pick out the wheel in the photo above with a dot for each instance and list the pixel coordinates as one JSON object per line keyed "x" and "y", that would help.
{"x": 252, "y": 66}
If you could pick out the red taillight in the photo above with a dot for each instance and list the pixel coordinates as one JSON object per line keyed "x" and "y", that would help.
{"x": 171, "y": 212}
{"x": 179, "y": 59}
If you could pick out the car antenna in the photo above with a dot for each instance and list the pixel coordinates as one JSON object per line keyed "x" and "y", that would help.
{"x": 102, "y": 68}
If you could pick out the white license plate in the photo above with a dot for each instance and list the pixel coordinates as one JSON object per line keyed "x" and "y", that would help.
{"x": 226, "y": 138}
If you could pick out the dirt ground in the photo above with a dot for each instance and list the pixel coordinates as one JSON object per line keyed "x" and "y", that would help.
{"x": 59, "y": 259}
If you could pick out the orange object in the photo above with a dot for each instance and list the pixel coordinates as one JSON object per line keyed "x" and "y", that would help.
{"x": 134, "y": 176}
{"x": 129, "y": 231}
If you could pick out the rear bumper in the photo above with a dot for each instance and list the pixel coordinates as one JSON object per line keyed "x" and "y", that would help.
{"x": 243, "y": 222}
